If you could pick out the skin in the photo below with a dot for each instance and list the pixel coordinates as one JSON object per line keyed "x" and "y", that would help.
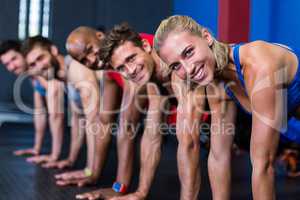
{"x": 111, "y": 92}
{"x": 83, "y": 45}
{"x": 77, "y": 44}
{"x": 128, "y": 123}
{"x": 83, "y": 78}
{"x": 44, "y": 57}
{"x": 259, "y": 60}
{"x": 15, "y": 63}
{"x": 189, "y": 111}
{"x": 40, "y": 123}
{"x": 137, "y": 64}
{"x": 77, "y": 137}
{"x": 142, "y": 66}
{"x": 39, "y": 60}
{"x": 74, "y": 77}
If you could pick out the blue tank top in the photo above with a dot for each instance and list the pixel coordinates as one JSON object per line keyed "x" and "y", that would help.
{"x": 74, "y": 95}
{"x": 293, "y": 95}
{"x": 39, "y": 88}
{"x": 293, "y": 89}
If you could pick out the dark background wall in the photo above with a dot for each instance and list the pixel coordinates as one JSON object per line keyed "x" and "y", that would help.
{"x": 69, "y": 14}
{"x": 8, "y": 29}
{"x": 143, "y": 15}
{"x": 9, "y": 18}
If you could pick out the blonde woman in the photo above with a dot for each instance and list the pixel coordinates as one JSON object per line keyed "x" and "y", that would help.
{"x": 261, "y": 77}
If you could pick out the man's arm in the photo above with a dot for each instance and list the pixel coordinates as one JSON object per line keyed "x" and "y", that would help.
{"x": 98, "y": 109}
{"x": 40, "y": 124}
{"x": 130, "y": 116}
{"x": 87, "y": 85}
{"x": 40, "y": 121}
{"x": 151, "y": 140}
{"x": 150, "y": 144}
{"x": 55, "y": 99}
{"x": 109, "y": 103}
{"x": 77, "y": 135}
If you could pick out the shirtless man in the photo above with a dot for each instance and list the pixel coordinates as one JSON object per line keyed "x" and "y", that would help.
{"x": 99, "y": 112}
{"x": 83, "y": 45}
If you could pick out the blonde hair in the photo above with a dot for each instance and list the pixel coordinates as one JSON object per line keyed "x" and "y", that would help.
{"x": 179, "y": 23}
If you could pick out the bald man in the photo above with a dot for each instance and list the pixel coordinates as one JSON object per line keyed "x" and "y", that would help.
{"x": 83, "y": 45}
{"x": 99, "y": 115}
{"x": 109, "y": 85}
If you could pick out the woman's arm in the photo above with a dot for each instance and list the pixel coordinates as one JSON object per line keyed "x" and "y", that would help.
{"x": 265, "y": 75}
{"x": 223, "y": 114}
{"x": 191, "y": 103}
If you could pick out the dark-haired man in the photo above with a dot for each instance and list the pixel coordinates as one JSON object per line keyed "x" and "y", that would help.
{"x": 54, "y": 92}
{"x": 12, "y": 58}
{"x": 43, "y": 57}
{"x": 133, "y": 57}
{"x": 83, "y": 45}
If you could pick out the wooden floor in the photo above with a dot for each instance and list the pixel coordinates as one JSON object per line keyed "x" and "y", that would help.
{"x": 20, "y": 180}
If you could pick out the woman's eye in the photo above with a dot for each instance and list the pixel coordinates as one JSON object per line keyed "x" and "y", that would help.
{"x": 189, "y": 52}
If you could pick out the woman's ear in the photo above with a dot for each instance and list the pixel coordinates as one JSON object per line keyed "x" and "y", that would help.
{"x": 54, "y": 50}
{"x": 146, "y": 46}
{"x": 206, "y": 35}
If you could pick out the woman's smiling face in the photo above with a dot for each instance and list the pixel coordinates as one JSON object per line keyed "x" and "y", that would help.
{"x": 190, "y": 56}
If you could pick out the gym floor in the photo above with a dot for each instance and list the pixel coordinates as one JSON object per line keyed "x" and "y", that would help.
{"x": 24, "y": 181}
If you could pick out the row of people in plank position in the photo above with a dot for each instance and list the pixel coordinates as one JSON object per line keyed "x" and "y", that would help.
{"x": 124, "y": 73}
